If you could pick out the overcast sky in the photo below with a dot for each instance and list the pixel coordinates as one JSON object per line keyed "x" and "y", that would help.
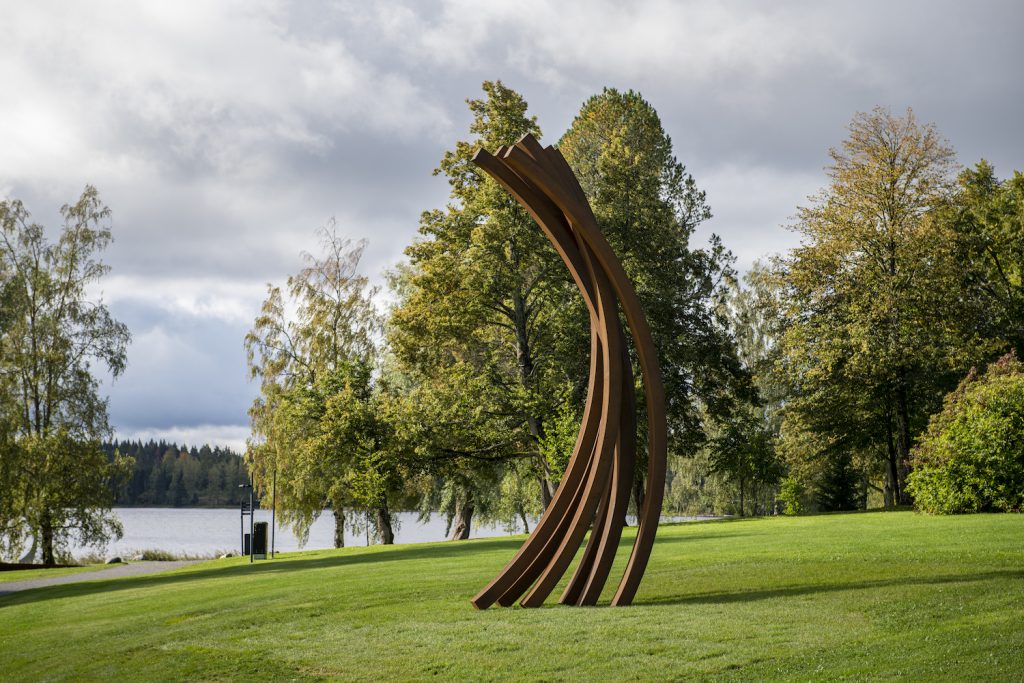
{"x": 222, "y": 134}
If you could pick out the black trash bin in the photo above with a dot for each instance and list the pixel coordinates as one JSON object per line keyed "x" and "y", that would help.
{"x": 259, "y": 541}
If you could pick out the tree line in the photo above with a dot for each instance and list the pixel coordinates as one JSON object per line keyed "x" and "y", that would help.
{"x": 908, "y": 276}
{"x": 803, "y": 385}
{"x": 846, "y": 373}
{"x": 465, "y": 395}
{"x": 164, "y": 474}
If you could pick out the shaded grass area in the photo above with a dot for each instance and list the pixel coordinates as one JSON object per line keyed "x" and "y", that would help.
{"x": 42, "y": 573}
{"x": 859, "y": 596}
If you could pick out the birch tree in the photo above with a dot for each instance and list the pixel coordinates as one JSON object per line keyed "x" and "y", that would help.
{"x": 317, "y": 424}
{"x": 56, "y": 478}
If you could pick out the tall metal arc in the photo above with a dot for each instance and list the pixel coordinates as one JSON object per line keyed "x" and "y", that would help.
{"x": 599, "y": 477}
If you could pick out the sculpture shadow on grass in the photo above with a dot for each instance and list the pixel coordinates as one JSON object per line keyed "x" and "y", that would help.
{"x": 725, "y": 597}
{"x": 498, "y": 548}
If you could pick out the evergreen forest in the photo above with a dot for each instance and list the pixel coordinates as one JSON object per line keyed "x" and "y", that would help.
{"x": 165, "y": 474}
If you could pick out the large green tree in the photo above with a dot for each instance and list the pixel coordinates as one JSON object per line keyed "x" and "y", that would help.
{"x": 988, "y": 216}
{"x": 490, "y": 320}
{"x": 648, "y": 206}
{"x": 55, "y": 475}
{"x": 475, "y": 324}
{"x": 877, "y": 328}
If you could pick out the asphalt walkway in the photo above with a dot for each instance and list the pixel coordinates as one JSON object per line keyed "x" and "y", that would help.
{"x": 114, "y": 571}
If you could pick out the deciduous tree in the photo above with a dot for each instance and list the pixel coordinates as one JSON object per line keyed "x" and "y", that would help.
{"x": 648, "y": 206}
{"x": 877, "y": 327}
{"x": 52, "y": 417}
{"x": 474, "y": 325}
{"x": 318, "y": 425}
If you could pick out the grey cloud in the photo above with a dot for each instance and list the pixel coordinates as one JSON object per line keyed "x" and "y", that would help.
{"x": 182, "y": 371}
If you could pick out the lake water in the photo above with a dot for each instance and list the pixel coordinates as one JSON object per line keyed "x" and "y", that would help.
{"x": 205, "y": 531}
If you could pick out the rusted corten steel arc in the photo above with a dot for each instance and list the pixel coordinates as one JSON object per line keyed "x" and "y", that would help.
{"x": 581, "y": 514}
{"x": 543, "y": 545}
{"x": 571, "y": 202}
{"x": 591, "y": 573}
{"x": 588, "y": 580}
{"x": 598, "y": 479}
{"x": 523, "y": 569}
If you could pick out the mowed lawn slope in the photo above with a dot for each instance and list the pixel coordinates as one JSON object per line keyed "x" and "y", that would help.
{"x": 859, "y": 596}
{"x": 19, "y": 575}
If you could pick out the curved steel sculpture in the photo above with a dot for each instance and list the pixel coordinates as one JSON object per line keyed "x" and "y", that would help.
{"x": 599, "y": 477}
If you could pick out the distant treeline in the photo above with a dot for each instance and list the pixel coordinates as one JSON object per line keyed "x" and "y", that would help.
{"x": 179, "y": 476}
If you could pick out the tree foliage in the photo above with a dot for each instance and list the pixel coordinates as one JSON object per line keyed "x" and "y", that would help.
{"x": 988, "y": 216}
{"x": 876, "y": 329}
{"x": 971, "y": 458}
{"x": 52, "y": 418}
{"x": 743, "y": 449}
{"x": 743, "y": 438}
{"x": 809, "y": 381}
{"x": 476, "y": 323}
{"x": 648, "y": 206}
{"x": 320, "y": 421}
{"x": 165, "y": 474}
{"x": 491, "y": 328}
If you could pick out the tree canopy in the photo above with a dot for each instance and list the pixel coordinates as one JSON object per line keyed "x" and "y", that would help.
{"x": 802, "y": 385}
{"x": 317, "y": 424}
{"x": 971, "y": 457}
{"x": 52, "y": 416}
{"x": 475, "y": 327}
{"x": 488, "y": 324}
{"x": 876, "y": 330}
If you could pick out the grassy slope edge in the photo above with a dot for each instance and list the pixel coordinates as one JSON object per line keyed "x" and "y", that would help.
{"x": 18, "y": 575}
{"x": 870, "y": 595}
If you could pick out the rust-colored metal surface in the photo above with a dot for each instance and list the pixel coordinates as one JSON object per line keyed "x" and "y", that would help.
{"x": 599, "y": 477}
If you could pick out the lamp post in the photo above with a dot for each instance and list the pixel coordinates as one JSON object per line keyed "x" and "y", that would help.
{"x": 242, "y": 520}
{"x": 273, "y": 512}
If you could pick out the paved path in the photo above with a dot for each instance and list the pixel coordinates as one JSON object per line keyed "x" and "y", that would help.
{"x": 113, "y": 572}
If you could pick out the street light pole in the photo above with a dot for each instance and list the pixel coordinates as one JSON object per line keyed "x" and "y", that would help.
{"x": 241, "y": 519}
{"x": 273, "y": 512}
{"x": 252, "y": 514}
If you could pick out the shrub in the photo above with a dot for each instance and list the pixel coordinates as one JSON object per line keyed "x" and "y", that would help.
{"x": 791, "y": 492}
{"x": 157, "y": 555}
{"x": 91, "y": 558}
{"x": 971, "y": 458}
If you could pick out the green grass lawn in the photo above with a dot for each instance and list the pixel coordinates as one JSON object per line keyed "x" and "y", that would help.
{"x": 856, "y": 596}
{"x": 29, "y": 574}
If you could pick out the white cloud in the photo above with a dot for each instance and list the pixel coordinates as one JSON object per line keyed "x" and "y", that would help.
{"x": 694, "y": 42}
{"x": 231, "y": 436}
{"x": 227, "y": 300}
{"x": 214, "y": 83}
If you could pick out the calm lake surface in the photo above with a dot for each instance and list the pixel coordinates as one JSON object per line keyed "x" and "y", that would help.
{"x": 204, "y": 531}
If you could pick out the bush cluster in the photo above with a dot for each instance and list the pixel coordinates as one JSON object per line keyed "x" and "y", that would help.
{"x": 971, "y": 458}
